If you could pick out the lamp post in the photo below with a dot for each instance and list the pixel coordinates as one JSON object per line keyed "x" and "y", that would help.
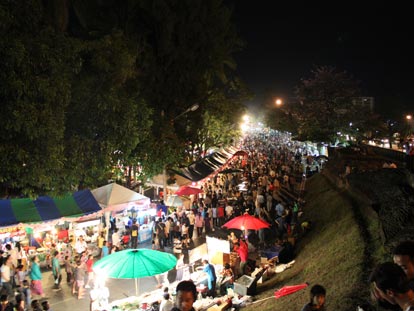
{"x": 164, "y": 173}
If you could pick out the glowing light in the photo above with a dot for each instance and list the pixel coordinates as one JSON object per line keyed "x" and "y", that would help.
{"x": 278, "y": 102}
{"x": 244, "y": 127}
{"x": 246, "y": 118}
{"x": 408, "y": 117}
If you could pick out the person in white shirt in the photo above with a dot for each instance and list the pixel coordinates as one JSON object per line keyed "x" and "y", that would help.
{"x": 166, "y": 304}
{"x": 6, "y": 275}
{"x": 116, "y": 241}
{"x": 229, "y": 211}
{"x": 80, "y": 245}
{"x": 99, "y": 296}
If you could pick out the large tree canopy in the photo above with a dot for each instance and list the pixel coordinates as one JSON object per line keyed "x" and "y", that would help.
{"x": 89, "y": 86}
{"x": 36, "y": 68}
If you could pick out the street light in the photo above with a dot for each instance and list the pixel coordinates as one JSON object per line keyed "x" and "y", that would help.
{"x": 190, "y": 109}
{"x": 278, "y": 102}
{"x": 409, "y": 119}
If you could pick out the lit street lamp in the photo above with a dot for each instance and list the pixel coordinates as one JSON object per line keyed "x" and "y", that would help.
{"x": 278, "y": 102}
{"x": 190, "y": 109}
{"x": 409, "y": 119}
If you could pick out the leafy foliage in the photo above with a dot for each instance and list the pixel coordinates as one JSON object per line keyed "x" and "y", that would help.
{"x": 87, "y": 87}
{"x": 326, "y": 104}
{"x": 35, "y": 73}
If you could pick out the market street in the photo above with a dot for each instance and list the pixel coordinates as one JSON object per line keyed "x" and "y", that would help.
{"x": 63, "y": 300}
{"x": 118, "y": 288}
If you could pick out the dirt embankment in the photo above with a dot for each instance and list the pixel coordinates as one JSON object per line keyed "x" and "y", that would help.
{"x": 356, "y": 219}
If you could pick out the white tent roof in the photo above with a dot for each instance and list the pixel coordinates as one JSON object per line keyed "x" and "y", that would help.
{"x": 114, "y": 197}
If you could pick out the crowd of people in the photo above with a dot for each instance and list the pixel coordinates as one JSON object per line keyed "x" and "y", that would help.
{"x": 21, "y": 284}
{"x": 268, "y": 182}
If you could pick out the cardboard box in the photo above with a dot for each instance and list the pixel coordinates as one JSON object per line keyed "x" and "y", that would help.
{"x": 223, "y": 306}
{"x": 220, "y": 258}
{"x": 245, "y": 285}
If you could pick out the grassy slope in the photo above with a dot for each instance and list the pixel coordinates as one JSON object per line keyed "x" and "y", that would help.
{"x": 331, "y": 254}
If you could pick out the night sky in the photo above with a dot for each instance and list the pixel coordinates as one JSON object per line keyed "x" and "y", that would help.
{"x": 285, "y": 40}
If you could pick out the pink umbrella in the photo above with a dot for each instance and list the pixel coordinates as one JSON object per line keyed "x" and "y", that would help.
{"x": 187, "y": 190}
{"x": 246, "y": 222}
{"x": 287, "y": 290}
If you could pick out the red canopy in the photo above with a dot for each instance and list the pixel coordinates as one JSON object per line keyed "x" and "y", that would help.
{"x": 287, "y": 290}
{"x": 246, "y": 222}
{"x": 187, "y": 190}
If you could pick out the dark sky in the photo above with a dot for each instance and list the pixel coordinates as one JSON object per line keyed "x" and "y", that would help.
{"x": 285, "y": 40}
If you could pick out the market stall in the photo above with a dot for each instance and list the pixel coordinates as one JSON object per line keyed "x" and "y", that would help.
{"x": 123, "y": 203}
{"x": 44, "y": 209}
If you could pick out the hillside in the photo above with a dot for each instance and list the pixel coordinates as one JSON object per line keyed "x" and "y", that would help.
{"x": 337, "y": 253}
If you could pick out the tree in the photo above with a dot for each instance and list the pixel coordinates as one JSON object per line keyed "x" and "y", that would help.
{"x": 107, "y": 118}
{"x": 36, "y": 69}
{"x": 220, "y": 119}
{"x": 326, "y": 105}
{"x": 186, "y": 56}
{"x": 71, "y": 107}
{"x": 92, "y": 86}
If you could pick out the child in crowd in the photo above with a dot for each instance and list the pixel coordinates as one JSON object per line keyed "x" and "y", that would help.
{"x": 46, "y": 306}
{"x": 125, "y": 239}
{"x": 36, "y": 305}
{"x": 105, "y": 249}
{"x": 20, "y": 275}
{"x": 19, "y": 303}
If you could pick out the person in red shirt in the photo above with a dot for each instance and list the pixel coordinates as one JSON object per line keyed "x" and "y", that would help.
{"x": 243, "y": 252}
{"x": 125, "y": 239}
{"x": 220, "y": 214}
{"x": 89, "y": 264}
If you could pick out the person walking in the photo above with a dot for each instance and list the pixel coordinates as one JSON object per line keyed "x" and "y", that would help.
{"x": 79, "y": 277}
{"x": 56, "y": 271}
{"x": 6, "y": 276}
{"x": 134, "y": 234}
{"x": 101, "y": 240}
{"x": 199, "y": 223}
{"x": 36, "y": 277}
{"x": 90, "y": 275}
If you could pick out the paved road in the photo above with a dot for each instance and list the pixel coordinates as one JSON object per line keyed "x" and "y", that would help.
{"x": 63, "y": 300}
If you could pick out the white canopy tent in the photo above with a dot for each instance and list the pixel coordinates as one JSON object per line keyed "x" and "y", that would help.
{"x": 115, "y": 198}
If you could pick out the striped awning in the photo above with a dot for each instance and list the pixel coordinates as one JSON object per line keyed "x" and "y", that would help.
{"x": 26, "y": 211}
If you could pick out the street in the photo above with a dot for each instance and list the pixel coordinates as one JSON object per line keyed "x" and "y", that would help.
{"x": 63, "y": 300}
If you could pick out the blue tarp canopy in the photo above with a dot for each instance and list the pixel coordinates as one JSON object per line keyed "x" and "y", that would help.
{"x": 26, "y": 211}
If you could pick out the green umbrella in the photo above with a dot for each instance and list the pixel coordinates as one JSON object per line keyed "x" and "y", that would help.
{"x": 135, "y": 264}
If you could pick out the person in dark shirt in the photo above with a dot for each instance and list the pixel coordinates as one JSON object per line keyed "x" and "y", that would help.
{"x": 390, "y": 283}
{"x": 317, "y": 299}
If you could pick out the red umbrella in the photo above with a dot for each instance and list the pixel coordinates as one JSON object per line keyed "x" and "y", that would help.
{"x": 246, "y": 222}
{"x": 187, "y": 190}
{"x": 287, "y": 290}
